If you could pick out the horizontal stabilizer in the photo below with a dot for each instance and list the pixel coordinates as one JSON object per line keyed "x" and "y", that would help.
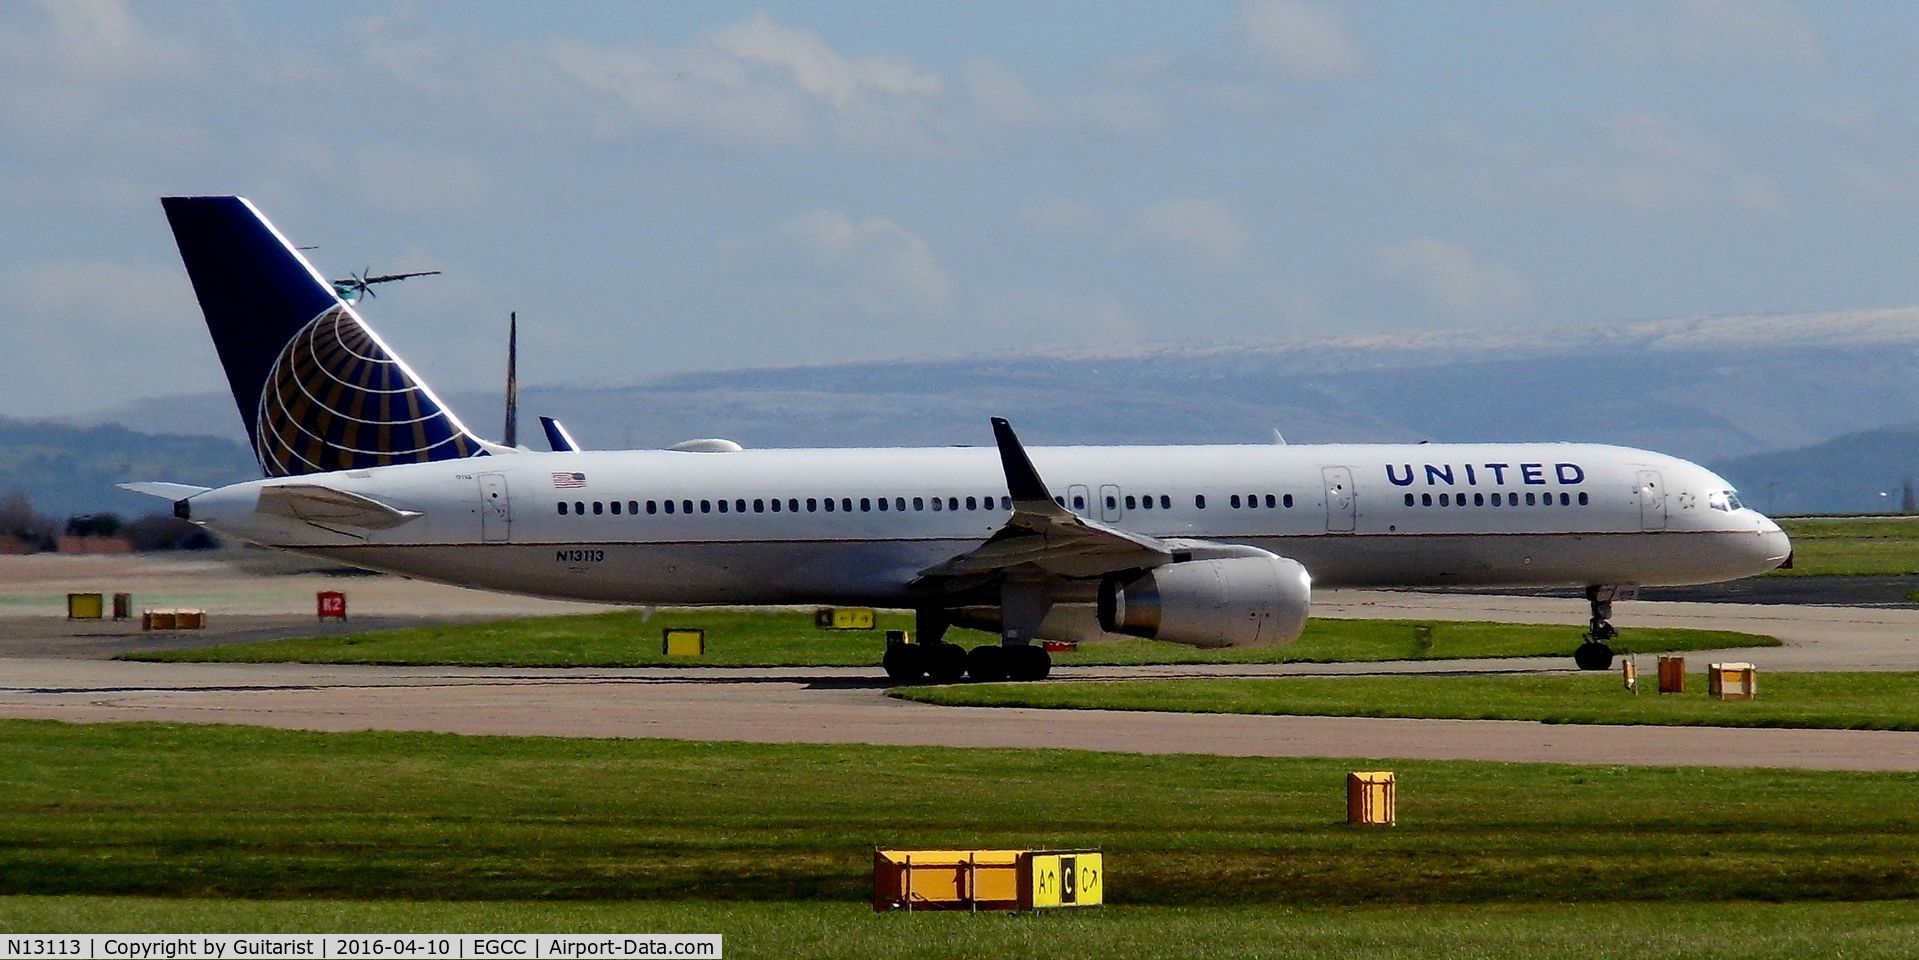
{"x": 329, "y": 507}
{"x": 165, "y": 491}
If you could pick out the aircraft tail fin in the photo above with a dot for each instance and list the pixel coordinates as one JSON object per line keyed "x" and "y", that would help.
{"x": 317, "y": 388}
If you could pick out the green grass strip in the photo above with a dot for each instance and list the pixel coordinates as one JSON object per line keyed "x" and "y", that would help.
{"x": 1827, "y": 700}
{"x": 1639, "y": 931}
{"x": 1852, "y": 546}
{"x": 238, "y": 812}
{"x": 768, "y": 638}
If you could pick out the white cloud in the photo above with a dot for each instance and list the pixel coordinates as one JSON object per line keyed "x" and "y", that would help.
{"x": 90, "y": 39}
{"x": 1000, "y": 95}
{"x": 1307, "y": 40}
{"x": 1450, "y": 278}
{"x": 757, "y": 82}
{"x": 815, "y": 68}
{"x": 874, "y": 266}
{"x": 1202, "y": 233}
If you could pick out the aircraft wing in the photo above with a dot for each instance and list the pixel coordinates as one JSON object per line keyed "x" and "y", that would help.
{"x": 327, "y": 507}
{"x": 1046, "y": 536}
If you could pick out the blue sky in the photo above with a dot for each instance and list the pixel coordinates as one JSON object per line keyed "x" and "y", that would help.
{"x": 667, "y": 187}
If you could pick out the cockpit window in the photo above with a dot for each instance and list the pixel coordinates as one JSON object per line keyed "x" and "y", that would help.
{"x": 1726, "y": 500}
{"x": 1732, "y": 500}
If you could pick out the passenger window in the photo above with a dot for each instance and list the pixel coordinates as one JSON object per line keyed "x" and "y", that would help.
{"x": 1079, "y": 502}
{"x": 616, "y": 508}
{"x": 972, "y": 503}
{"x": 919, "y": 503}
{"x": 1479, "y": 499}
{"x": 722, "y": 506}
{"x": 598, "y": 507}
{"x": 828, "y": 504}
{"x": 1286, "y": 501}
{"x": 633, "y": 506}
{"x": 952, "y": 503}
{"x": 759, "y": 505}
{"x": 739, "y": 506}
{"x": 1426, "y": 499}
{"x": 1165, "y": 502}
{"x": 1132, "y": 502}
{"x": 1529, "y": 498}
{"x": 1199, "y": 501}
{"x": 1006, "y": 503}
{"x": 669, "y": 506}
{"x": 653, "y": 507}
{"x": 1112, "y": 503}
{"x": 774, "y": 504}
{"x": 1234, "y": 501}
{"x": 1582, "y": 498}
{"x": 866, "y": 505}
{"x": 1252, "y": 501}
{"x": 793, "y": 504}
{"x": 1060, "y": 500}
{"x": 562, "y": 506}
{"x": 938, "y": 504}
{"x": 899, "y": 504}
{"x": 1146, "y": 502}
{"x": 1409, "y": 499}
{"x": 846, "y": 504}
{"x": 1565, "y": 500}
{"x": 1445, "y": 500}
{"x": 812, "y": 505}
{"x": 1271, "y": 501}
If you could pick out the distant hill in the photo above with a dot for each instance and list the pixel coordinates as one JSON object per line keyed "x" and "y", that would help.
{"x": 68, "y": 470}
{"x": 1703, "y": 388}
{"x": 1843, "y": 475}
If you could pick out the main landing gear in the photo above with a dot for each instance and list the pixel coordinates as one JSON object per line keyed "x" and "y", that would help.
{"x": 1596, "y": 652}
{"x": 942, "y": 662}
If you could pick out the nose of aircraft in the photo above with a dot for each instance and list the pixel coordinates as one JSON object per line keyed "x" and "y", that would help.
{"x": 1771, "y": 547}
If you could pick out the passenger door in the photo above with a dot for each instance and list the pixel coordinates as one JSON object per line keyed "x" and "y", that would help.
{"x": 1342, "y": 509}
{"x": 1652, "y": 501}
{"x": 496, "y": 509}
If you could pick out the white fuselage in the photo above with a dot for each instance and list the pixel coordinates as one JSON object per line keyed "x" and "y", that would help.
{"x": 753, "y": 527}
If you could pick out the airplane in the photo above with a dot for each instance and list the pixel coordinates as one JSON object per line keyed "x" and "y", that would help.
{"x": 1213, "y": 546}
{"x": 352, "y": 287}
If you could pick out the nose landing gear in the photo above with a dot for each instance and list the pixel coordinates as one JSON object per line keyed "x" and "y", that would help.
{"x": 1596, "y": 652}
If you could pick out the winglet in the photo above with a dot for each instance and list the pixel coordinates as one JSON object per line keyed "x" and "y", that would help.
{"x": 1022, "y": 480}
{"x": 557, "y": 439}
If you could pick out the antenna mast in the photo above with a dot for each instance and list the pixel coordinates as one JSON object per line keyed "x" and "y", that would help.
{"x": 512, "y": 379}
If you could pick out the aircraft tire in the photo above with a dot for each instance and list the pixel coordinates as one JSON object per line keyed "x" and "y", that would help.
{"x": 1029, "y": 663}
{"x": 988, "y": 663}
{"x": 945, "y": 662}
{"x": 904, "y": 662}
{"x": 1593, "y": 656}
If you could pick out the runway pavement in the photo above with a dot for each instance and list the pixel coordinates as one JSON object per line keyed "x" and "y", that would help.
{"x": 58, "y": 672}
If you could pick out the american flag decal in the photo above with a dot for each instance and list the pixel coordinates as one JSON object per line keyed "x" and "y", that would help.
{"x": 569, "y": 481}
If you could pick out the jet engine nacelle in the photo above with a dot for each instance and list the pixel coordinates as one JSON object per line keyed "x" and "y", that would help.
{"x": 1232, "y": 602}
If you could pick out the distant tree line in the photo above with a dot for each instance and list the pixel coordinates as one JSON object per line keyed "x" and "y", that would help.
{"x": 149, "y": 532}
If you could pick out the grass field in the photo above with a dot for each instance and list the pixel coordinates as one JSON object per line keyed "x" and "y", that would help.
{"x": 217, "y": 812}
{"x": 123, "y": 827}
{"x": 789, "y": 638}
{"x": 1789, "y": 931}
{"x": 1852, "y": 546}
{"x": 1847, "y": 701}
